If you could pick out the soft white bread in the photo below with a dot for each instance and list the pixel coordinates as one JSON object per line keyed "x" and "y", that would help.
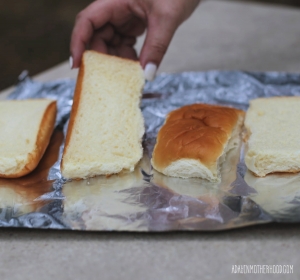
{"x": 195, "y": 139}
{"x": 26, "y": 127}
{"x": 273, "y": 133}
{"x": 106, "y": 124}
{"x": 21, "y": 194}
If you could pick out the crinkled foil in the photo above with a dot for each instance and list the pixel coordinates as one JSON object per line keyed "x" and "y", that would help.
{"x": 146, "y": 200}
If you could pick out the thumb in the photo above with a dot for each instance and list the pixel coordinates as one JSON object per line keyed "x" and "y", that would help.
{"x": 159, "y": 35}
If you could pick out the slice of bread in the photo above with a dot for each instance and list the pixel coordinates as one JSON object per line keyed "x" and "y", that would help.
{"x": 195, "y": 139}
{"x": 106, "y": 124}
{"x": 21, "y": 195}
{"x": 273, "y": 132}
{"x": 26, "y": 127}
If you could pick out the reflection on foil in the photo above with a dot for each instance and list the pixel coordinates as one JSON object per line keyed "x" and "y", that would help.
{"x": 23, "y": 200}
{"x": 146, "y": 200}
{"x": 279, "y": 194}
{"x": 99, "y": 203}
{"x": 140, "y": 201}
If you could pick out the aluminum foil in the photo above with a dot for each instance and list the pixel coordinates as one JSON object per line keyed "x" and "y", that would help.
{"x": 146, "y": 200}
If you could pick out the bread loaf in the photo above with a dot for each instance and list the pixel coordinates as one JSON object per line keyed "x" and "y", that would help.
{"x": 106, "y": 124}
{"x": 26, "y": 127}
{"x": 194, "y": 140}
{"x": 273, "y": 143}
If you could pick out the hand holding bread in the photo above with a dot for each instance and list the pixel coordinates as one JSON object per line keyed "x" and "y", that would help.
{"x": 112, "y": 27}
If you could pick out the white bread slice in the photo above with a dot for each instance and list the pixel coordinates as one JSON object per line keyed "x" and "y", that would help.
{"x": 21, "y": 195}
{"x": 26, "y": 127}
{"x": 195, "y": 140}
{"x": 106, "y": 124}
{"x": 273, "y": 133}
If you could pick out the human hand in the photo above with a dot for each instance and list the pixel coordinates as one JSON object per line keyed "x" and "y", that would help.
{"x": 112, "y": 26}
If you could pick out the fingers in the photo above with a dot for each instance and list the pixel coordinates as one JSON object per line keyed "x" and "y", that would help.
{"x": 159, "y": 35}
{"x": 126, "y": 52}
{"x": 123, "y": 47}
{"x": 110, "y": 37}
{"x": 133, "y": 27}
{"x": 110, "y": 26}
{"x": 81, "y": 35}
{"x": 129, "y": 41}
{"x": 94, "y": 29}
{"x": 93, "y": 17}
{"x": 106, "y": 40}
{"x": 100, "y": 37}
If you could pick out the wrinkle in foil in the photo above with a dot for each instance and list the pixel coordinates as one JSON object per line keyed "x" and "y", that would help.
{"x": 146, "y": 200}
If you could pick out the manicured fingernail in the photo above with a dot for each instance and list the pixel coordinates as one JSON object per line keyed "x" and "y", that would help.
{"x": 150, "y": 71}
{"x": 71, "y": 61}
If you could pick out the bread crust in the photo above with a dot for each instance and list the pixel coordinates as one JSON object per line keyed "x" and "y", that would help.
{"x": 42, "y": 141}
{"x": 198, "y": 131}
{"x": 35, "y": 184}
{"x": 76, "y": 101}
{"x": 269, "y": 117}
{"x": 287, "y": 172}
{"x": 75, "y": 107}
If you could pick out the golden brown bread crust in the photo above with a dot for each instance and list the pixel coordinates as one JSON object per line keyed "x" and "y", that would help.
{"x": 35, "y": 184}
{"x": 76, "y": 100}
{"x": 42, "y": 141}
{"x": 286, "y": 172}
{"x": 198, "y": 131}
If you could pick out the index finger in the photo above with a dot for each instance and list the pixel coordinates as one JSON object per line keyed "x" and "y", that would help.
{"x": 91, "y": 18}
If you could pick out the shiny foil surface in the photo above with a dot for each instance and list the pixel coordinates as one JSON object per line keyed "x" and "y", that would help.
{"x": 146, "y": 200}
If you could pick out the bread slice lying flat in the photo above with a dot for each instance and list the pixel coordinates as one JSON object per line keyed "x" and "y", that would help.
{"x": 195, "y": 139}
{"x": 273, "y": 135}
{"x": 106, "y": 124}
{"x": 25, "y": 130}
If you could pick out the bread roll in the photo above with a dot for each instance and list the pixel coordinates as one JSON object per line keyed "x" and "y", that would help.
{"x": 106, "y": 124}
{"x": 26, "y": 127}
{"x": 194, "y": 141}
{"x": 273, "y": 143}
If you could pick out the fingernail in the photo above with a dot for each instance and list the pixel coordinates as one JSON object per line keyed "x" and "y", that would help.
{"x": 150, "y": 71}
{"x": 71, "y": 61}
